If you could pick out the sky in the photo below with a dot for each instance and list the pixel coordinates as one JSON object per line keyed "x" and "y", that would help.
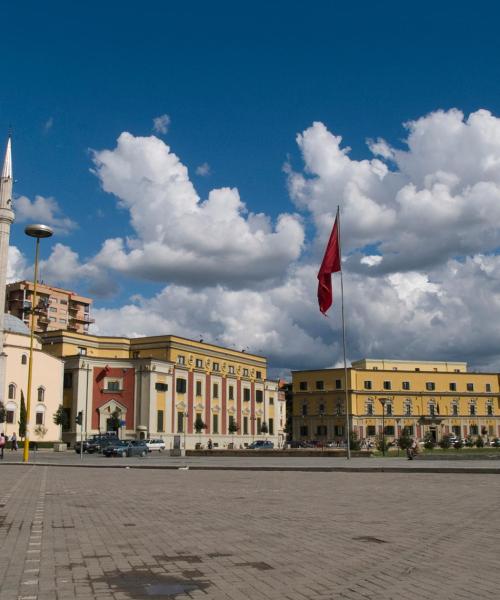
{"x": 191, "y": 156}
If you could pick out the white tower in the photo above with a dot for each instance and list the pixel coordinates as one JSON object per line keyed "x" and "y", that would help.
{"x": 6, "y": 220}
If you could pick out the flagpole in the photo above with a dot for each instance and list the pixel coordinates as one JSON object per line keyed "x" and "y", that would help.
{"x": 343, "y": 340}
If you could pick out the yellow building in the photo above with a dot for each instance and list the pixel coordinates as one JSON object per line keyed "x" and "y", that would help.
{"x": 162, "y": 386}
{"x": 392, "y": 395}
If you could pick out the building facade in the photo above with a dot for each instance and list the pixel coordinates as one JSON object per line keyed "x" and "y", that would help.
{"x": 46, "y": 390}
{"x": 56, "y": 308}
{"x": 164, "y": 386}
{"x": 391, "y": 396}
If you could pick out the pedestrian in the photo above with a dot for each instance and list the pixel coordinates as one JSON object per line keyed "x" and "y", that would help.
{"x": 209, "y": 443}
{"x": 2, "y": 444}
{"x": 13, "y": 441}
{"x": 411, "y": 450}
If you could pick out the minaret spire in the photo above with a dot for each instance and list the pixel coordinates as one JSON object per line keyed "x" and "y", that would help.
{"x": 6, "y": 220}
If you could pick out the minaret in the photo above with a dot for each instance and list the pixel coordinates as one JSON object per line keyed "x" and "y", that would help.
{"x": 6, "y": 220}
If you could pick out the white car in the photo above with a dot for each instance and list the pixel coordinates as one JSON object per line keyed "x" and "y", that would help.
{"x": 156, "y": 444}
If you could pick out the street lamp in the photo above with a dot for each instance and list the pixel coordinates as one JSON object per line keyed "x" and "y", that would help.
{"x": 382, "y": 402}
{"x": 37, "y": 231}
{"x": 186, "y": 415}
{"x": 253, "y": 419}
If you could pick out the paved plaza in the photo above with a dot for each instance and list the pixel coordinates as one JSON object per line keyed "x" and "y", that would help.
{"x": 141, "y": 533}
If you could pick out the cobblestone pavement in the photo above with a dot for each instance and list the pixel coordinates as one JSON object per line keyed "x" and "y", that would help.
{"x": 138, "y": 534}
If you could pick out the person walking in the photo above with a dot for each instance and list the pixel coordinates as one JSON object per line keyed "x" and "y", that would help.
{"x": 2, "y": 444}
{"x": 209, "y": 443}
{"x": 13, "y": 442}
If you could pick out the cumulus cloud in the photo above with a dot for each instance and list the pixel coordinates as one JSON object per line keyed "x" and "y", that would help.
{"x": 43, "y": 210}
{"x": 181, "y": 238}
{"x": 203, "y": 170}
{"x": 161, "y": 123}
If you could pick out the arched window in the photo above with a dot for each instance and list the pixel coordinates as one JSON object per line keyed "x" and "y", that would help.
{"x": 41, "y": 394}
{"x": 24, "y": 359}
{"x": 12, "y": 391}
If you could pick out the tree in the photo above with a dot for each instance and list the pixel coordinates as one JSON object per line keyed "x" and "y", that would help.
{"x": 381, "y": 443}
{"x": 458, "y": 444}
{"x": 354, "y": 441}
{"x": 445, "y": 442}
{"x": 264, "y": 428}
{"x": 429, "y": 442}
{"x": 22, "y": 418}
{"x": 199, "y": 424}
{"x": 479, "y": 442}
{"x": 3, "y": 412}
{"x": 114, "y": 421}
{"x": 469, "y": 442}
{"x": 61, "y": 418}
{"x": 233, "y": 426}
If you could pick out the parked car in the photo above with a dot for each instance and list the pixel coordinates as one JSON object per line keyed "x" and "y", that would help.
{"x": 297, "y": 444}
{"x": 155, "y": 444}
{"x": 95, "y": 443}
{"x": 261, "y": 445}
{"x": 125, "y": 448}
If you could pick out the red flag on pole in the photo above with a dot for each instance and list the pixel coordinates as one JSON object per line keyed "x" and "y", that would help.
{"x": 330, "y": 264}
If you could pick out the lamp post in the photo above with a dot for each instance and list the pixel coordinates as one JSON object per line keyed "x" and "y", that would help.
{"x": 382, "y": 402}
{"x": 37, "y": 231}
{"x": 186, "y": 414}
{"x": 253, "y": 419}
{"x": 86, "y": 367}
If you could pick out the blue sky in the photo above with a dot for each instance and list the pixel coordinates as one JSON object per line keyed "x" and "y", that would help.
{"x": 239, "y": 81}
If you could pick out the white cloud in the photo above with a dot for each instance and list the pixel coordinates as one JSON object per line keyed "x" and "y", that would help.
{"x": 43, "y": 210}
{"x": 17, "y": 266}
{"x": 161, "y": 123}
{"x": 49, "y": 123}
{"x": 180, "y": 238}
{"x": 203, "y": 170}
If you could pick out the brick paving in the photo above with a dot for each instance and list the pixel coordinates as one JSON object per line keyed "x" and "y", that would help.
{"x": 233, "y": 535}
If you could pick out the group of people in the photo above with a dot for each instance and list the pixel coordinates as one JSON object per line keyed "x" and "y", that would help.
{"x": 3, "y": 442}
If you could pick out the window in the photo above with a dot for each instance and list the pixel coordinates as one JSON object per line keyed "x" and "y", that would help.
{"x": 215, "y": 423}
{"x": 159, "y": 421}
{"x": 303, "y": 385}
{"x": 12, "y": 391}
{"x": 321, "y": 409}
{"x": 181, "y": 360}
{"x": 320, "y": 385}
{"x": 161, "y": 387}
{"x": 245, "y": 372}
{"x": 408, "y": 408}
{"x": 370, "y": 430}
{"x": 338, "y": 431}
{"x": 472, "y": 409}
{"x": 113, "y": 386}
{"x": 470, "y": 387}
{"x": 338, "y": 409}
{"x": 473, "y": 430}
{"x": 259, "y": 425}
{"x": 258, "y": 374}
{"x": 39, "y": 417}
{"x": 231, "y": 422}
{"x": 52, "y": 319}
{"x": 406, "y": 385}
{"x": 24, "y": 359}
{"x": 417, "y": 369}
{"x": 259, "y": 396}
{"x": 388, "y": 409}
{"x": 245, "y": 425}
{"x": 432, "y": 409}
{"x": 389, "y": 430}
{"x": 430, "y": 386}
{"x": 453, "y": 387}
{"x": 488, "y": 387}
{"x": 321, "y": 430}
{"x": 180, "y": 422}
{"x": 368, "y": 385}
{"x": 387, "y": 385}
{"x": 82, "y": 351}
{"x": 271, "y": 426}
{"x": 338, "y": 384}
{"x": 68, "y": 380}
{"x": 408, "y": 429}
{"x": 53, "y": 309}
{"x": 230, "y": 392}
{"x": 246, "y": 395}
{"x": 135, "y": 354}
{"x": 375, "y": 368}
{"x": 231, "y": 369}
{"x": 215, "y": 366}
{"x": 369, "y": 408}
{"x": 9, "y": 416}
{"x": 457, "y": 370}
{"x": 394, "y": 368}
{"x": 489, "y": 408}
{"x": 65, "y": 302}
{"x": 215, "y": 391}
{"x": 41, "y": 394}
{"x": 180, "y": 386}
{"x": 63, "y": 321}
{"x": 454, "y": 409}
{"x": 198, "y": 388}
{"x": 271, "y": 401}
{"x": 304, "y": 410}
{"x": 304, "y": 431}
{"x": 199, "y": 363}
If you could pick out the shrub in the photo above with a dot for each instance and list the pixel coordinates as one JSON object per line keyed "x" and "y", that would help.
{"x": 458, "y": 444}
{"x": 404, "y": 441}
{"x": 429, "y": 442}
{"x": 496, "y": 442}
{"x": 354, "y": 442}
{"x": 445, "y": 442}
{"x": 469, "y": 442}
{"x": 381, "y": 443}
{"x": 479, "y": 442}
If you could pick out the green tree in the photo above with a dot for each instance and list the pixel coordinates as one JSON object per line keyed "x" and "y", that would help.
{"x": 199, "y": 424}
{"x": 405, "y": 440}
{"x": 264, "y": 428}
{"x": 445, "y": 442}
{"x": 61, "y": 418}
{"x": 381, "y": 443}
{"x": 114, "y": 421}
{"x": 3, "y": 412}
{"x": 479, "y": 442}
{"x": 429, "y": 442}
{"x": 233, "y": 426}
{"x": 469, "y": 442}
{"x": 354, "y": 441}
{"x": 22, "y": 417}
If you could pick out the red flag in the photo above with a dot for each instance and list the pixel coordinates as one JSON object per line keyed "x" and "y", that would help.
{"x": 330, "y": 264}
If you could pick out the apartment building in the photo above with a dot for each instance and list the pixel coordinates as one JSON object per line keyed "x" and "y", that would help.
{"x": 393, "y": 395}
{"x": 56, "y": 308}
{"x": 163, "y": 386}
